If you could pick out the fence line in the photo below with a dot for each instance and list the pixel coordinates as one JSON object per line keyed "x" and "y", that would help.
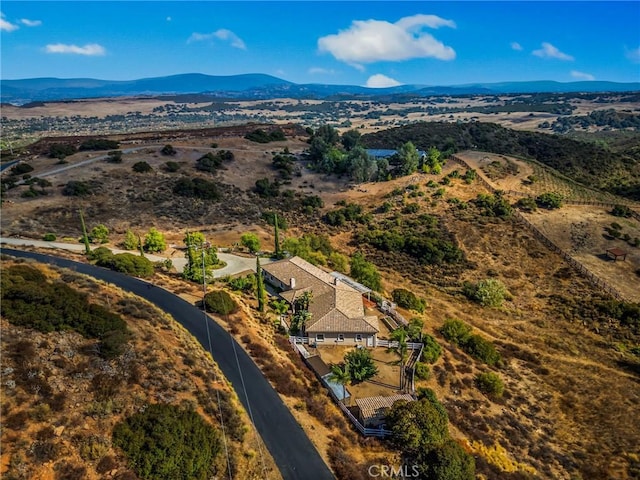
{"x": 594, "y": 279}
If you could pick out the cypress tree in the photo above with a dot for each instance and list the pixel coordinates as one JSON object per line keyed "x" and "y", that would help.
{"x": 277, "y": 235}
{"x": 85, "y": 237}
{"x": 260, "y": 286}
{"x": 140, "y": 246}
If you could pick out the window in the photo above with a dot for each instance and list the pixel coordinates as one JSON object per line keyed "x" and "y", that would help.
{"x": 320, "y": 337}
{"x": 358, "y": 337}
{"x": 340, "y": 337}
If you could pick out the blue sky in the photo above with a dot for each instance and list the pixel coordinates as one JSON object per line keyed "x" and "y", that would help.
{"x": 375, "y": 43}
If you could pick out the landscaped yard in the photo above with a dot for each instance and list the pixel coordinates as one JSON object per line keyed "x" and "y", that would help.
{"x": 386, "y": 382}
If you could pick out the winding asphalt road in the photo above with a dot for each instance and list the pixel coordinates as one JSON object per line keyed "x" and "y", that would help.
{"x": 293, "y": 452}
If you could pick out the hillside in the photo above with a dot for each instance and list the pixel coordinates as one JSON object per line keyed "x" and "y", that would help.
{"x": 614, "y": 168}
{"x": 64, "y": 393}
{"x": 568, "y": 352}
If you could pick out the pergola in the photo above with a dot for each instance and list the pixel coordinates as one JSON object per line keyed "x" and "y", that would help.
{"x": 615, "y": 253}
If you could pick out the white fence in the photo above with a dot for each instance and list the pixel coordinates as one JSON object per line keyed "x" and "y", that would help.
{"x": 395, "y": 343}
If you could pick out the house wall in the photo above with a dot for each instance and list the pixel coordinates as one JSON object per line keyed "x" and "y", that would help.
{"x": 274, "y": 281}
{"x": 367, "y": 340}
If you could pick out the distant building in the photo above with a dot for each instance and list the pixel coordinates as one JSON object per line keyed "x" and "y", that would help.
{"x": 337, "y": 309}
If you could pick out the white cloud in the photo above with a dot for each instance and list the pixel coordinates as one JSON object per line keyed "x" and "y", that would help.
{"x": 222, "y": 34}
{"x": 381, "y": 81}
{"x": 549, "y": 51}
{"x": 369, "y": 41}
{"x": 90, "y": 49}
{"x": 321, "y": 71}
{"x": 6, "y": 26}
{"x": 634, "y": 55}
{"x": 30, "y": 23}
{"x": 581, "y": 75}
{"x": 516, "y": 46}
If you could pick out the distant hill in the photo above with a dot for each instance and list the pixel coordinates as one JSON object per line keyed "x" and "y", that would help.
{"x": 614, "y": 168}
{"x": 261, "y": 86}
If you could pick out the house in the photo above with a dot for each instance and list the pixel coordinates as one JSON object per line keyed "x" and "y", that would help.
{"x": 337, "y": 309}
{"x": 371, "y": 411}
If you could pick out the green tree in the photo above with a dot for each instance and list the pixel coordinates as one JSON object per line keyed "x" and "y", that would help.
{"x": 168, "y": 150}
{"x": 199, "y": 254}
{"x": 99, "y": 234}
{"x": 407, "y": 299}
{"x": 365, "y": 272}
{"x": 278, "y": 253}
{"x": 130, "y": 241}
{"x": 250, "y": 241}
{"x": 339, "y": 262}
{"x": 85, "y": 237}
{"x": 154, "y": 241}
{"x": 456, "y": 331}
{"x": 447, "y": 461}
{"x": 350, "y": 139}
{"x": 340, "y": 374}
{"x": 549, "y": 200}
{"x": 420, "y": 425}
{"x": 360, "y": 364}
{"x": 409, "y": 158}
{"x": 432, "y": 349}
{"x": 260, "y": 293}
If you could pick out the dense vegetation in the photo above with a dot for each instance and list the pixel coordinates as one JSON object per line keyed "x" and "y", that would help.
{"x": 260, "y": 136}
{"x": 421, "y": 432}
{"x": 128, "y": 263}
{"x": 212, "y": 162}
{"x": 197, "y": 188}
{"x": 459, "y": 333}
{"x": 407, "y": 299}
{"x": 99, "y": 144}
{"x": 30, "y": 300}
{"x": 609, "y": 167}
{"x": 166, "y": 441}
{"x": 220, "y": 302}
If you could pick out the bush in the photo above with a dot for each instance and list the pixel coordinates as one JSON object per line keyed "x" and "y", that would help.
{"x": 77, "y": 188}
{"x": 365, "y": 272}
{"x": 447, "y": 461}
{"x": 21, "y": 169}
{"x": 621, "y": 211}
{"x": 49, "y": 237}
{"x": 165, "y": 441}
{"x": 99, "y": 234}
{"x": 488, "y": 293}
{"x": 168, "y": 150}
{"x": 490, "y": 384}
{"x": 61, "y": 150}
{"x": 197, "y": 188}
{"x": 266, "y": 188}
{"x": 250, "y": 241}
{"x": 141, "y": 167}
{"x": 423, "y": 372}
{"x": 154, "y": 241}
{"x": 212, "y": 162}
{"x": 456, "y": 331}
{"x": 432, "y": 349}
{"x": 482, "y": 349}
{"x": 260, "y": 136}
{"x": 99, "y": 144}
{"x": 406, "y": 299}
{"x": 220, "y": 302}
{"x": 549, "y": 200}
{"x": 115, "y": 156}
{"x": 128, "y": 263}
{"x": 172, "y": 167}
{"x": 527, "y": 204}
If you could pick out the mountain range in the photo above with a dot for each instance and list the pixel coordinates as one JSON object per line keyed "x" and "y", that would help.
{"x": 261, "y": 86}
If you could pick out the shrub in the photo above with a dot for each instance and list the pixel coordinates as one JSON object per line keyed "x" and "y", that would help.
{"x": 168, "y": 150}
{"x": 61, "y": 150}
{"x": 21, "y": 169}
{"x": 266, "y": 188}
{"x": 456, "y": 331}
{"x": 621, "y": 211}
{"x": 49, "y": 237}
{"x": 220, "y": 302}
{"x": 527, "y": 204}
{"x": 99, "y": 234}
{"x": 365, "y": 272}
{"x": 260, "y": 136}
{"x": 141, "y": 167}
{"x": 77, "y": 188}
{"x": 115, "y": 156}
{"x": 165, "y": 441}
{"x": 154, "y": 241}
{"x": 432, "y": 349}
{"x": 197, "y": 188}
{"x": 406, "y": 299}
{"x": 172, "y": 167}
{"x": 99, "y": 144}
{"x": 250, "y": 241}
{"x": 423, "y": 372}
{"x": 490, "y": 384}
{"x": 212, "y": 162}
{"x": 447, "y": 461}
{"x": 482, "y": 349}
{"x": 488, "y": 293}
{"x": 549, "y": 200}
{"x": 269, "y": 217}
